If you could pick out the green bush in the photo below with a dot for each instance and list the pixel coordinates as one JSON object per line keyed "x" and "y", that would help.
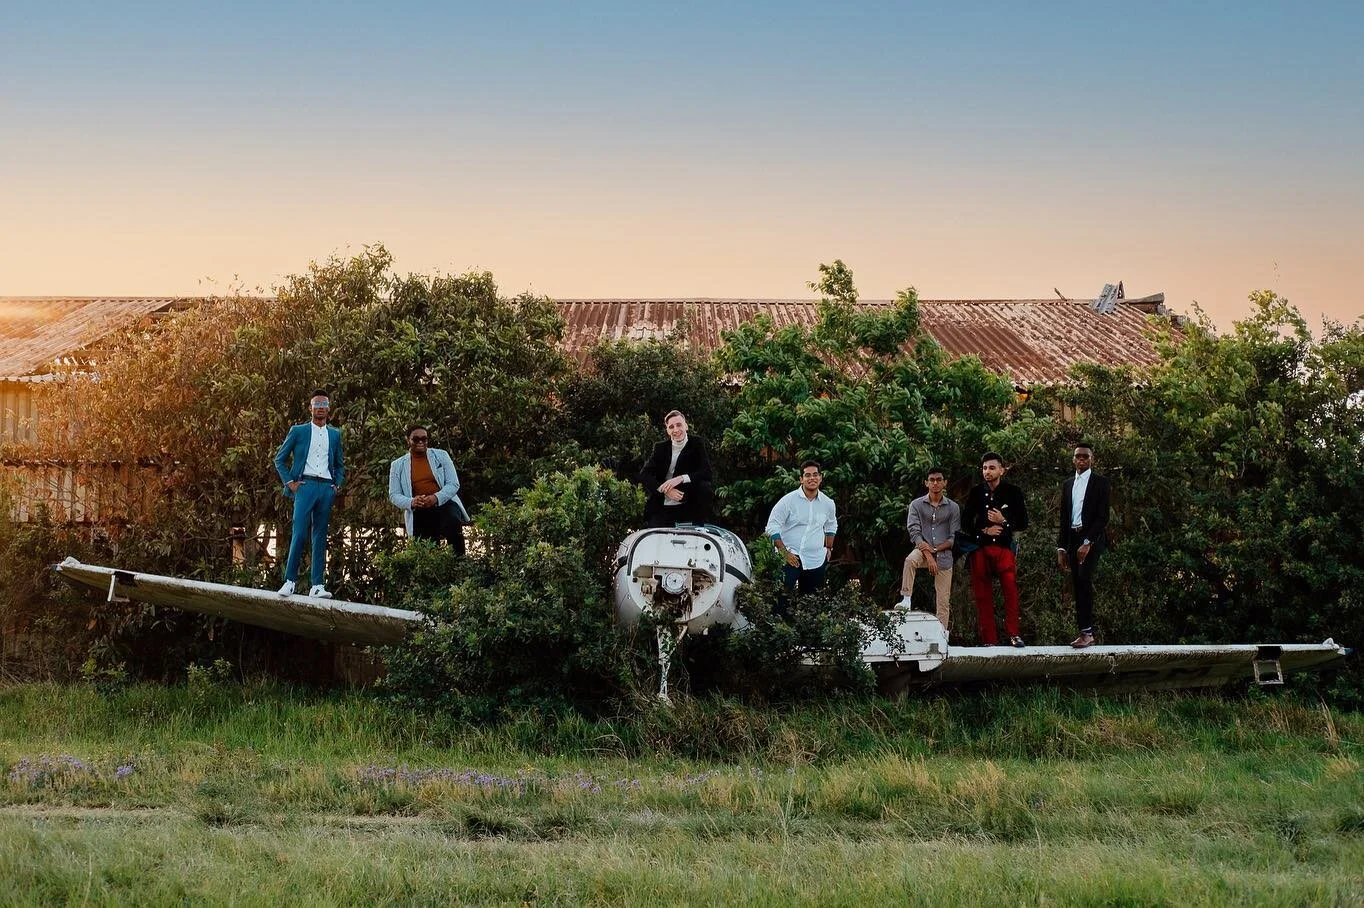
{"x": 52, "y": 625}
{"x": 614, "y": 406}
{"x": 771, "y": 659}
{"x": 870, "y": 395}
{"x": 1238, "y": 475}
{"x": 529, "y": 620}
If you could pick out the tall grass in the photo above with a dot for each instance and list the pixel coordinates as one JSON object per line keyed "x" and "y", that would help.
{"x": 297, "y": 723}
{"x": 265, "y": 794}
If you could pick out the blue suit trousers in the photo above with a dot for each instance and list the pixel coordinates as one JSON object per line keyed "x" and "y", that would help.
{"x": 312, "y": 512}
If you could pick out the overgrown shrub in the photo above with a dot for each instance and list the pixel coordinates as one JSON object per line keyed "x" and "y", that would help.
{"x": 45, "y": 626}
{"x": 1238, "y": 475}
{"x": 794, "y": 646}
{"x": 529, "y": 620}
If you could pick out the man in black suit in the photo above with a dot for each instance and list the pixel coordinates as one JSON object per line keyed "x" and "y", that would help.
{"x": 677, "y": 477}
{"x": 1083, "y": 536}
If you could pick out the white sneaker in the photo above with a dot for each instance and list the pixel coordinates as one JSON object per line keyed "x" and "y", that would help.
{"x": 903, "y": 605}
{"x": 319, "y": 592}
{"x": 287, "y": 589}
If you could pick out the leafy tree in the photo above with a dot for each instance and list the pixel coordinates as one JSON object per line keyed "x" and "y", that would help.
{"x": 614, "y": 406}
{"x": 202, "y": 400}
{"x": 1238, "y": 483}
{"x": 482, "y": 371}
{"x": 871, "y": 396}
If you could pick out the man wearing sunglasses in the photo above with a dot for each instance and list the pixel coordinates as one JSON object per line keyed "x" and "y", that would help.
{"x": 424, "y": 484}
{"x": 1083, "y": 536}
{"x": 310, "y": 465}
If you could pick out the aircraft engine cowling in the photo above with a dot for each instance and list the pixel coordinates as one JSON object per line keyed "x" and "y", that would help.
{"x": 688, "y": 575}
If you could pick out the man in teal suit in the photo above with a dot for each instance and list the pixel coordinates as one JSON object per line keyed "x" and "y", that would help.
{"x": 311, "y": 467}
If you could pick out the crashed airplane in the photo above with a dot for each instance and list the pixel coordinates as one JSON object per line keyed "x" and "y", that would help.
{"x": 687, "y": 581}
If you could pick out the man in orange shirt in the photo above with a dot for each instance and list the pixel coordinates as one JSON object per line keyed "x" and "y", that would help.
{"x": 425, "y": 485}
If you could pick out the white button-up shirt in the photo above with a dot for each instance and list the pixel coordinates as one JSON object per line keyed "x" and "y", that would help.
{"x": 1077, "y": 497}
{"x": 318, "y": 448}
{"x": 802, "y": 525}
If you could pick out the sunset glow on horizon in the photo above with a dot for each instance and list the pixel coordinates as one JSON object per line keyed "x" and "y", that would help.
{"x": 612, "y": 151}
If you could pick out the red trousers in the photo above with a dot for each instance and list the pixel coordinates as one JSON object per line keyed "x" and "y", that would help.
{"x": 998, "y": 560}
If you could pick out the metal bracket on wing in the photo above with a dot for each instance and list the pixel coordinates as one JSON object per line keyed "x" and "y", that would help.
{"x": 115, "y": 578}
{"x": 1268, "y": 671}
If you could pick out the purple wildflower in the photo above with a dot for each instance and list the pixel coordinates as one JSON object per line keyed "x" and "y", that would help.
{"x": 44, "y": 771}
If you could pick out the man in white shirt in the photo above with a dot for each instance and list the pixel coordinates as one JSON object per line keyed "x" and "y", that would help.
{"x": 311, "y": 467}
{"x": 1083, "y": 536}
{"x": 802, "y": 526}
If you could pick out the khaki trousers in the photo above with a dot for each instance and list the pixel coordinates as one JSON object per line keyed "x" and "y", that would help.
{"x": 942, "y": 584}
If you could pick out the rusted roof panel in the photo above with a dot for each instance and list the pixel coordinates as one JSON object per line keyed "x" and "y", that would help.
{"x": 1037, "y": 341}
{"x": 1032, "y": 341}
{"x": 39, "y": 330}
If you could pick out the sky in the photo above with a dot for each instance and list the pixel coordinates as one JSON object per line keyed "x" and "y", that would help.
{"x": 637, "y": 150}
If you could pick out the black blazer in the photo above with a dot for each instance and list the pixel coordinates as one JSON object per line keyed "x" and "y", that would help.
{"x": 1093, "y": 513}
{"x": 1008, "y": 498}
{"x": 693, "y": 461}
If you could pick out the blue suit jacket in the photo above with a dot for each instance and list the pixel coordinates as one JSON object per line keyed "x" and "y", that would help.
{"x": 295, "y": 447}
{"x": 442, "y": 467}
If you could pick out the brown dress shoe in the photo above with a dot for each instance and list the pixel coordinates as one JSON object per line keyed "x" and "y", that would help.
{"x": 1082, "y": 641}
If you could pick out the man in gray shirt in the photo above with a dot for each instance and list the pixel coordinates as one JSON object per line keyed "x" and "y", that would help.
{"x": 933, "y": 522}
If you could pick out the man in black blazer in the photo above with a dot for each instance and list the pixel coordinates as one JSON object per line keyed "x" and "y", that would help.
{"x": 1083, "y": 536}
{"x": 677, "y": 477}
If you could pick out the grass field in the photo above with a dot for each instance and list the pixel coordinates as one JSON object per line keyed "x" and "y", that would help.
{"x": 222, "y": 794}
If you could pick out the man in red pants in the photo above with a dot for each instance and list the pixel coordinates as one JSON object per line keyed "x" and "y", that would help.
{"x": 995, "y": 511}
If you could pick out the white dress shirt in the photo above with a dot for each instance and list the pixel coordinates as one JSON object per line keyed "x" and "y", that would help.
{"x": 318, "y": 448}
{"x": 802, "y": 525}
{"x": 1077, "y": 498}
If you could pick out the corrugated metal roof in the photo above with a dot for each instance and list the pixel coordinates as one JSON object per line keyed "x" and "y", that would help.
{"x": 1037, "y": 341}
{"x": 39, "y": 330}
{"x": 1032, "y": 341}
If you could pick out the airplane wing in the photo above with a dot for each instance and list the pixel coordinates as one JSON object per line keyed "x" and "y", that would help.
{"x": 324, "y": 619}
{"x": 1111, "y": 668}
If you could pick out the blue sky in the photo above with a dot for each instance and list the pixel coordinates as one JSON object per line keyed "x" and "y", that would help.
{"x": 719, "y": 150}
